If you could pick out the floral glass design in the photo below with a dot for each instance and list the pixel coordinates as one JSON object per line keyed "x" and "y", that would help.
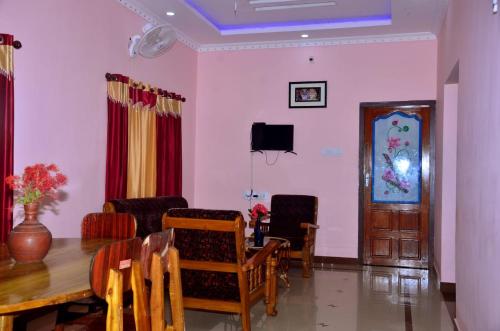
{"x": 397, "y": 159}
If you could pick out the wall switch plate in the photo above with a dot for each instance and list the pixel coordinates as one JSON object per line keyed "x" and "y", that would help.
{"x": 331, "y": 151}
{"x": 495, "y": 6}
{"x": 254, "y": 195}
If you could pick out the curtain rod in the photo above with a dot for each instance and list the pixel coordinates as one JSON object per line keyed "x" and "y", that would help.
{"x": 165, "y": 93}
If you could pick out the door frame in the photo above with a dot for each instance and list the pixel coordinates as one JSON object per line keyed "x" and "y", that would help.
{"x": 363, "y": 108}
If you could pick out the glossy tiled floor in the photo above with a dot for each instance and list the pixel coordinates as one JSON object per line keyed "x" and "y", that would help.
{"x": 351, "y": 298}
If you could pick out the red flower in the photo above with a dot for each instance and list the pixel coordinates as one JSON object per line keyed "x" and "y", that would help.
{"x": 259, "y": 210}
{"x": 52, "y": 167}
{"x": 37, "y": 181}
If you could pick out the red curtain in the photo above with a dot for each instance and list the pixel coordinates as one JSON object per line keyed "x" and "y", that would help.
{"x": 117, "y": 148}
{"x": 169, "y": 155}
{"x": 177, "y": 176}
{"x": 6, "y": 140}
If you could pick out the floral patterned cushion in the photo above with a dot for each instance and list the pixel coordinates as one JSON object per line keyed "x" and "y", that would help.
{"x": 148, "y": 211}
{"x": 201, "y": 245}
{"x": 287, "y": 212}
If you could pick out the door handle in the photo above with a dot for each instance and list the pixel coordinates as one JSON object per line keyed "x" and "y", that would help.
{"x": 367, "y": 179}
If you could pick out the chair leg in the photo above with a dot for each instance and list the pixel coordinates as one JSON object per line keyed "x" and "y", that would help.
{"x": 273, "y": 289}
{"x": 306, "y": 262}
{"x": 245, "y": 319}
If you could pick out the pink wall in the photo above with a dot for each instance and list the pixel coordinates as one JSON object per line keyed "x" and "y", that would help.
{"x": 471, "y": 36}
{"x": 446, "y": 178}
{"x": 236, "y": 89}
{"x": 60, "y": 93}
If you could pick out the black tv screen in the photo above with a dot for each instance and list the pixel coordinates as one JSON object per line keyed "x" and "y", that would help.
{"x": 272, "y": 137}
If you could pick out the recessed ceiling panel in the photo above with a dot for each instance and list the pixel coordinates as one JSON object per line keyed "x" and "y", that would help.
{"x": 212, "y": 23}
{"x": 254, "y": 16}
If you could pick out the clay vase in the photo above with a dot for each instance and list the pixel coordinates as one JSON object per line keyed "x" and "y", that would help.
{"x": 29, "y": 241}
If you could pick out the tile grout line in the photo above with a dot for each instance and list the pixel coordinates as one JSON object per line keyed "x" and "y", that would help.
{"x": 408, "y": 317}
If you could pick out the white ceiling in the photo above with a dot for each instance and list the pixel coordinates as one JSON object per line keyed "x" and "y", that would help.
{"x": 209, "y": 23}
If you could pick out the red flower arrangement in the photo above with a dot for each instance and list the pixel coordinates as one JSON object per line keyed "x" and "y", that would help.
{"x": 258, "y": 211}
{"x": 37, "y": 181}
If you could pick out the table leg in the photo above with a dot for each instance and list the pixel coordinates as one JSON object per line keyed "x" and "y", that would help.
{"x": 6, "y": 322}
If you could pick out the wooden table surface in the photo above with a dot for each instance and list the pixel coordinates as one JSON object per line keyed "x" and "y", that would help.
{"x": 62, "y": 276}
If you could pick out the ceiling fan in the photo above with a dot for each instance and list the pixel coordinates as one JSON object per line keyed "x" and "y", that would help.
{"x": 155, "y": 41}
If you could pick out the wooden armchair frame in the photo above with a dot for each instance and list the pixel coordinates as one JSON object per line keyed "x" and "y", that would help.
{"x": 252, "y": 285}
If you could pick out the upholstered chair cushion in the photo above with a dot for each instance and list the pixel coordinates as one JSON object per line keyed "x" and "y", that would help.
{"x": 148, "y": 211}
{"x": 287, "y": 212}
{"x": 201, "y": 245}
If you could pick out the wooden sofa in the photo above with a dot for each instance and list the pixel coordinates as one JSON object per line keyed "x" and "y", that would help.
{"x": 147, "y": 211}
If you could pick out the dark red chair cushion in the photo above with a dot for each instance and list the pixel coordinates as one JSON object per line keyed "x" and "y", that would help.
{"x": 287, "y": 212}
{"x": 215, "y": 246}
{"x": 148, "y": 211}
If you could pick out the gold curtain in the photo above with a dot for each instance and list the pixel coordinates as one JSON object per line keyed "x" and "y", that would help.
{"x": 168, "y": 106}
{"x": 141, "y": 177}
{"x": 6, "y": 60}
{"x": 118, "y": 92}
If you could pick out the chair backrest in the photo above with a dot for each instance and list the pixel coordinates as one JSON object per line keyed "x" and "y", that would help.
{"x": 158, "y": 242}
{"x": 118, "y": 256}
{"x": 288, "y": 211}
{"x": 114, "y": 269}
{"x": 159, "y": 256}
{"x": 212, "y": 243}
{"x": 147, "y": 211}
{"x": 108, "y": 226}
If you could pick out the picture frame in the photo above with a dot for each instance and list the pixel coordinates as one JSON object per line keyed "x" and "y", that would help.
{"x": 312, "y": 94}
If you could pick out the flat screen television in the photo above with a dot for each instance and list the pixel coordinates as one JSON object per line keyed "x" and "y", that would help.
{"x": 272, "y": 137}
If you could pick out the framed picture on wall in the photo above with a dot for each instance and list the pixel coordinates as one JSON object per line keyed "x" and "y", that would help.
{"x": 307, "y": 94}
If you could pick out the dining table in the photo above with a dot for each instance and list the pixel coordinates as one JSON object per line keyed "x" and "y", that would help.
{"x": 62, "y": 276}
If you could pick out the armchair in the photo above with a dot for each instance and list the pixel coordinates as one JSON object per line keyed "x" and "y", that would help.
{"x": 294, "y": 217}
{"x": 215, "y": 273}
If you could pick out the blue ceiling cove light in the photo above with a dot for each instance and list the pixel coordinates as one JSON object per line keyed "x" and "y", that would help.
{"x": 317, "y": 24}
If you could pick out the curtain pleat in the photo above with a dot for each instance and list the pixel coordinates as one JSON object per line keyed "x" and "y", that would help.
{"x": 117, "y": 140}
{"x": 177, "y": 161}
{"x": 141, "y": 180}
{"x": 165, "y": 135}
{"x": 169, "y": 147}
{"x": 7, "y": 133}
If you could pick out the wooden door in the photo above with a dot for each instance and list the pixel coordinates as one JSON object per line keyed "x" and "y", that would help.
{"x": 396, "y": 169}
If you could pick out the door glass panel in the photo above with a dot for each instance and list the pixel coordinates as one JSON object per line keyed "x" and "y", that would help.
{"x": 396, "y": 157}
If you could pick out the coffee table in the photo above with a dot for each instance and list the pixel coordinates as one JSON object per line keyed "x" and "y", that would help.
{"x": 283, "y": 255}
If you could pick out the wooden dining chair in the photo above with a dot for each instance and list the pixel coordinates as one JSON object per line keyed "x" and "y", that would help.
{"x": 115, "y": 226}
{"x": 158, "y": 257}
{"x": 116, "y": 269}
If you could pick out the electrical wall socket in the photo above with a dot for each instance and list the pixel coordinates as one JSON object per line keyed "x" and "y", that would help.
{"x": 258, "y": 196}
